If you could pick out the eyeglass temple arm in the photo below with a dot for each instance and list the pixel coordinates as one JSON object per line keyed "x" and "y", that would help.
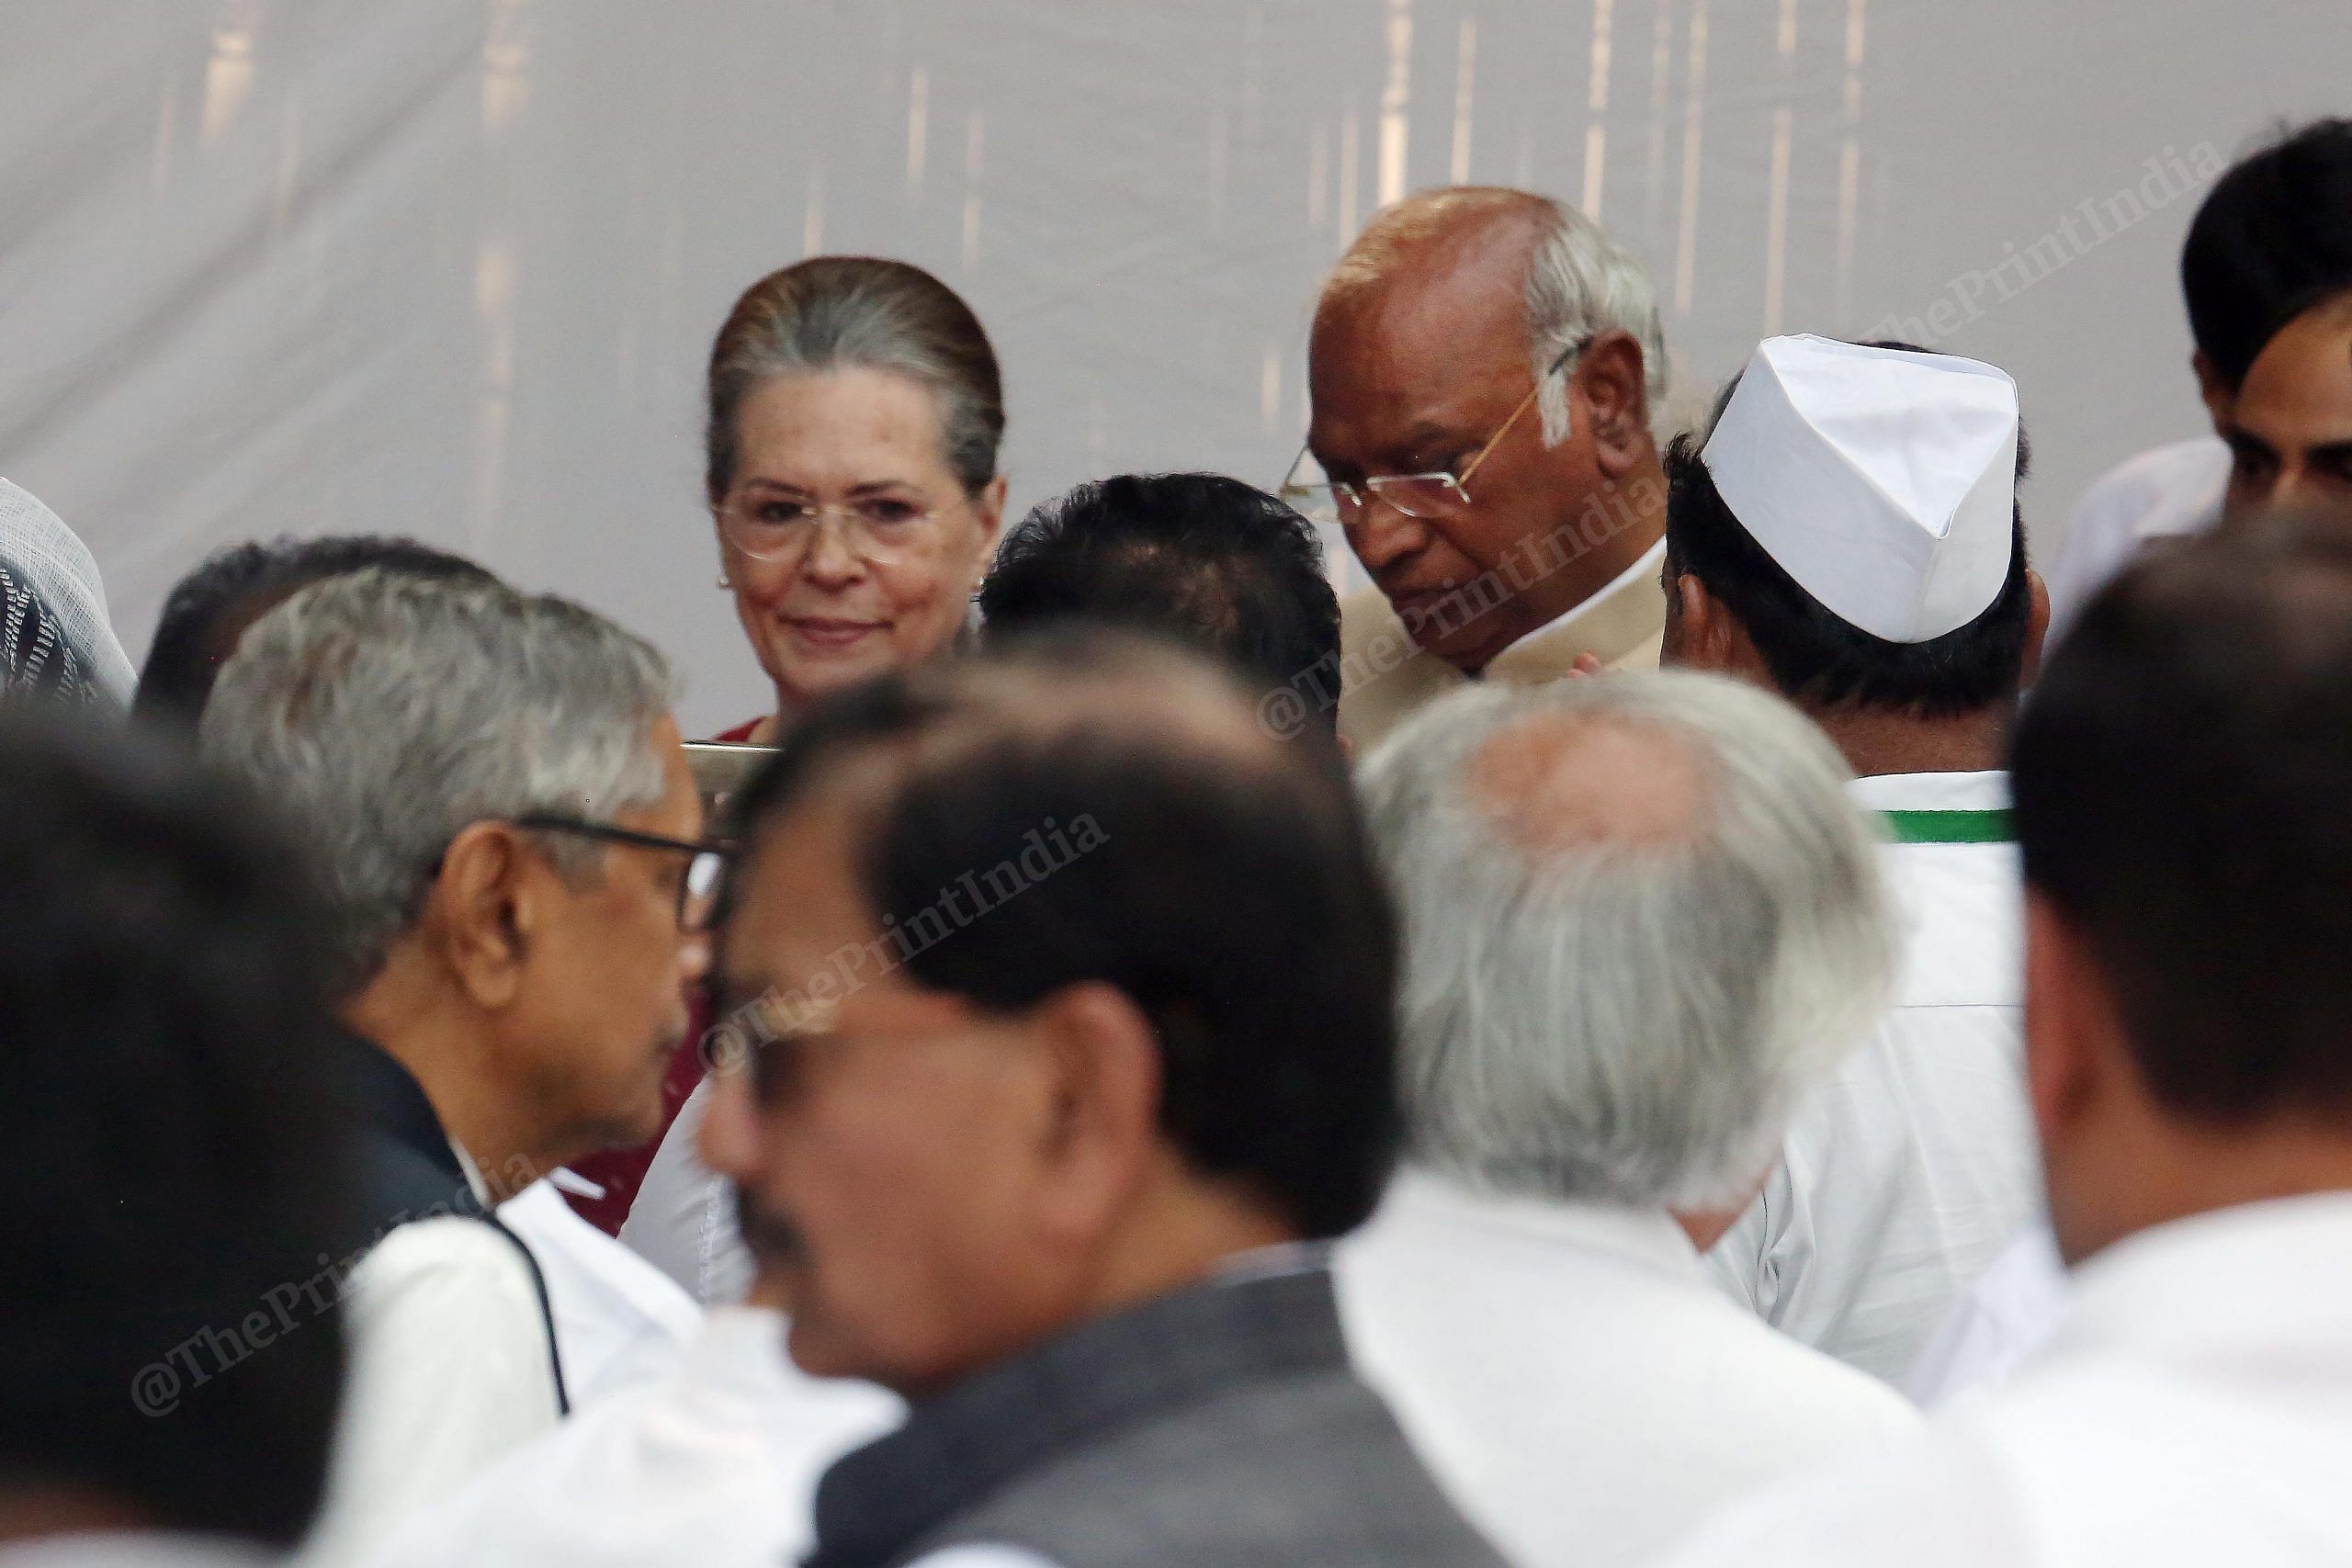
{"x": 1463, "y": 479}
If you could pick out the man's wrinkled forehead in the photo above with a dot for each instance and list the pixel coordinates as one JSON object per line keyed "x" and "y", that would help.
{"x": 1440, "y": 334}
{"x": 1432, "y": 292}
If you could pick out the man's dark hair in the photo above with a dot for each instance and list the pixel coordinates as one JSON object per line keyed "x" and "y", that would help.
{"x": 169, "y": 1341}
{"x": 231, "y": 588}
{"x": 1816, "y": 657}
{"x": 1205, "y": 560}
{"x": 1224, "y": 885}
{"x": 2272, "y": 239}
{"x": 2181, "y": 777}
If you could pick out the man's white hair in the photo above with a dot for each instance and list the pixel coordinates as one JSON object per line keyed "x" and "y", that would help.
{"x": 1623, "y": 1001}
{"x": 1580, "y": 281}
{"x": 388, "y": 712}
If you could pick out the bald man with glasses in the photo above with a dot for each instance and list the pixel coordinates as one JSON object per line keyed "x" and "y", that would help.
{"x": 1482, "y": 367}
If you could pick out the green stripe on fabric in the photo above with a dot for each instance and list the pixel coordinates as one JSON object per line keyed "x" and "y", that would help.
{"x": 1950, "y": 826}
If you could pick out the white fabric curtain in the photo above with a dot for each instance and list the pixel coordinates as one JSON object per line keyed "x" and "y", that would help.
{"x": 449, "y": 267}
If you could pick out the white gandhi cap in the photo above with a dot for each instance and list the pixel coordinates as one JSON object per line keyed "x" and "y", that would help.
{"x": 1883, "y": 481}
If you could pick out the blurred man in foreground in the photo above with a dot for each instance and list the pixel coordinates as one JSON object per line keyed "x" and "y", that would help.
{"x": 1045, "y": 1158}
{"x": 2180, "y": 782}
{"x": 1200, "y": 559}
{"x": 1573, "y": 860}
{"x": 171, "y": 1347}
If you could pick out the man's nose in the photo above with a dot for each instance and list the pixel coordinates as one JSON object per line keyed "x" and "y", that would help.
{"x": 1380, "y": 536}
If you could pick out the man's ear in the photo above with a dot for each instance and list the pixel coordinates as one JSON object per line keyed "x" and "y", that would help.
{"x": 1608, "y": 380}
{"x": 1102, "y": 1122}
{"x": 2071, "y": 1032}
{"x": 1704, "y": 634}
{"x": 484, "y": 909}
{"x": 2037, "y": 628}
{"x": 2217, "y": 395}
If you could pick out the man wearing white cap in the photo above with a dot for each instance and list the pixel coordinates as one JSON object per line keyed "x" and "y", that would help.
{"x": 2180, "y": 782}
{"x": 1848, "y": 538}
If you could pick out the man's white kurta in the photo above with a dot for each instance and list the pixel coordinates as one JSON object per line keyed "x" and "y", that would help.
{"x": 684, "y": 1219}
{"x": 2195, "y": 1411}
{"x": 1572, "y": 1379}
{"x": 715, "y": 1466}
{"x": 1904, "y": 1173}
{"x": 618, "y": 1320}
{"x": 2166, "y": 492}
{"x": 449, "y": 1370}
{"x": 2005, "y": 1317}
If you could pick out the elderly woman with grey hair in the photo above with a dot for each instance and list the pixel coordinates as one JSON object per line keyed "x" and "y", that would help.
{"x": 855, "y": 416}
{"x": 855, "y": 411}
{"x": 1641, "y": 919}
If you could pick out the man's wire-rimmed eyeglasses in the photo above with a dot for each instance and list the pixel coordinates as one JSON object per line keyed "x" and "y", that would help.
{"x": 706, "y": 860}
{"x": 1438, "y": 494}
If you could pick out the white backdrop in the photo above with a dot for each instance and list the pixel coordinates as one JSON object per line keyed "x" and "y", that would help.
{"x": 449, "y": 267}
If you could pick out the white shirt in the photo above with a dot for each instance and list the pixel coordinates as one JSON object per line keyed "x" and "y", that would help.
{"x": 683, "y": 1220}
{"x": 1907, "y": 1171}
{"x": 449, "y": 1369}
{"x": 715, "y": 1466}
{"x": 2194, "y": 1408}
{"x": 2165, "y": 493}
{"x": 1573, "y": 1379}
{"x": 618, "y": 1320}
{"x": 2004, "y": 1318}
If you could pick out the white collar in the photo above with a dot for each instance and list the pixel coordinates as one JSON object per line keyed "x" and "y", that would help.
{"x": 1271, "y": 1262}
{"x": 1653, "y": 560}
{"x": 2272, "y": 1275}
{"x": 473, "y": 1174}
{"x": 1932, "y": 792}
{"x": 1647, "y": 1237}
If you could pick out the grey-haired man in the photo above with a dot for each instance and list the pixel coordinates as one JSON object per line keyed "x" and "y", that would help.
{"x": 502, "y": 813}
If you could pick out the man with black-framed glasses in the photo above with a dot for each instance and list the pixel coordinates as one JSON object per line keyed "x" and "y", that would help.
{"x": 498, "y": 800}
{"x": 1482, "y": 370}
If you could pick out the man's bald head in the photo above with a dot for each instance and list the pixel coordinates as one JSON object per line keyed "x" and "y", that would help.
{"x": 1486, "y": 253}
{"x": 1557, "y": 783}
{"x": 1641, "y": 918}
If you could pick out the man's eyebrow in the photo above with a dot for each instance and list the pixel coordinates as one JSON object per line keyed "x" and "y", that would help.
{"x": 2244, "y": 441}
{"x": 2331, "y": 451}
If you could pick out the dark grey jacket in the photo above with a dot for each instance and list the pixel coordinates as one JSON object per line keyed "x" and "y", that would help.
{"x": 1215, "y": 1428}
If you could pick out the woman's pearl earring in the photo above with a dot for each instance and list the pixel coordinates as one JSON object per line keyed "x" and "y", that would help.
{"x": 725, "y": 582}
